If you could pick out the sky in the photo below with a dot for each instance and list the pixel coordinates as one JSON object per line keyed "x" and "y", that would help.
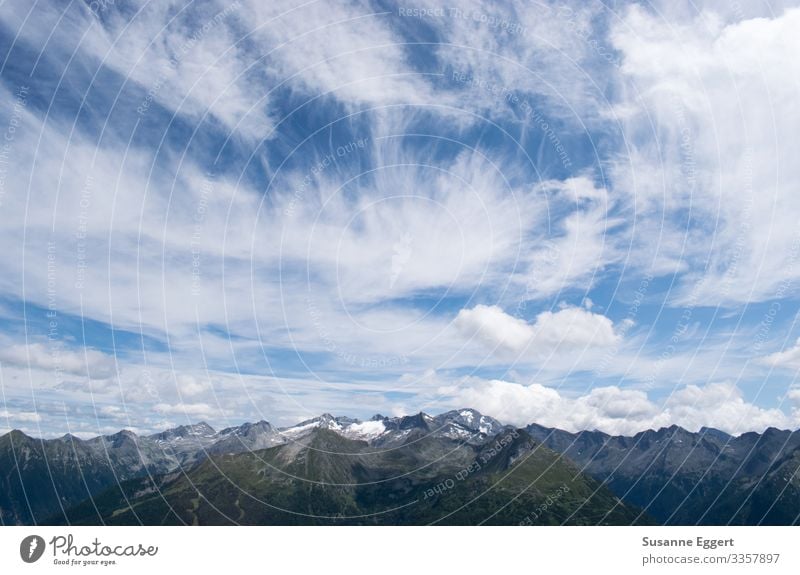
{"x": 580, "y": 214}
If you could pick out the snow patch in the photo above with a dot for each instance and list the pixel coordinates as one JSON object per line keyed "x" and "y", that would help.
{"x": 298, "y": 429}
{"x": 366, "y": 429}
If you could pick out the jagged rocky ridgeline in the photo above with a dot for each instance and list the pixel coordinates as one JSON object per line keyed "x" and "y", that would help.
{"x": 425, "y": 464}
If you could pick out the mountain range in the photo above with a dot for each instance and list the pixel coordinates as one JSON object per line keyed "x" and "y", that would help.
{"x": 459, "y": 467}
{"x": 683, "y": 478}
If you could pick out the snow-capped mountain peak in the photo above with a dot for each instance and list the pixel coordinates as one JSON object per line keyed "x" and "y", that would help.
{"x": 471, "y": 420}
{"x": 346, "y": 426}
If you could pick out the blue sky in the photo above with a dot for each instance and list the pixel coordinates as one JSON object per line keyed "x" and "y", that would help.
{"x": 575, "y": 214}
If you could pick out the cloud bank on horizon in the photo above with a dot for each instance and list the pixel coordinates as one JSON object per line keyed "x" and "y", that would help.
{"x": 559, "y": 213}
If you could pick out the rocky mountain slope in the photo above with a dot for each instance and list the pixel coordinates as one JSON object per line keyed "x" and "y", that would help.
{"x": 681, "y": 478}
{"x": 456, "y": 467}
{"x": 326, "y": 478}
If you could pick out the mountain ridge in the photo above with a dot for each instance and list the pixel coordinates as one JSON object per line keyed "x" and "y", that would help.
{"x": 187, "y": 429}
{"x": 183, "y": 429}
{"x": 671, "y": 474}
{"x": 331, "y": 479}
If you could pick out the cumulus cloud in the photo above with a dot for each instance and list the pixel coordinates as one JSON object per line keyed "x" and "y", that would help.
{"x": 620, "y": 411}
{"x": 573, "y": 327}
{"x": 570, "y": 327}
{"x": 495, "y": 327}
{"x": 788, "y": 358}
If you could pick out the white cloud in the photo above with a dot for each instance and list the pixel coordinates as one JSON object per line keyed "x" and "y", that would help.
{"x": 461, "y": 226}
{"x": 573, "y": 327}
{"x": 495, "y": 327}
{"x": 567, "y": 328}
{"x": 190, "y": 410}
{"x": 20, "y": 416}
{"x": 458, "y": 226}
{"x": 347, "y": 49}
{"x": 465, "y": 226}
{"x": 189, "y": 62}
{"x": 788, "y": 358}
{"x": 112, "y": 411}
{"x": 545, "y": 52}
{"x": 57, "y": 358}
{"x": 192, "y": 386}
{"x": 619, "y": 411}
{"x": 582, "y": 243}
{"x": 722, "y": 405}
{"x": 707, "y": 104}
{"x": 187, "y": 59}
